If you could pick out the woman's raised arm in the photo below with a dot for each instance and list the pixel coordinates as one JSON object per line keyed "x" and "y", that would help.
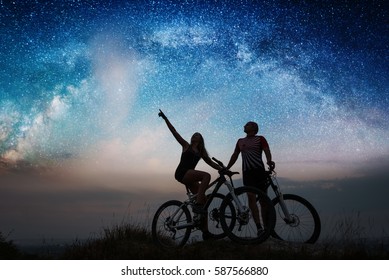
{"x": 176, "y": 135}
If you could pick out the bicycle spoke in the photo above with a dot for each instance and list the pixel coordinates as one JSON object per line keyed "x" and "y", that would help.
{"x": 171, "y": 224}
{"x": 214, "y": 223}
{"x": 304, "y": 225}
{"x": 242, "y": 226}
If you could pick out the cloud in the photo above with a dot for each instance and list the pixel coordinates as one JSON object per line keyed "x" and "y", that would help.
{"x": 75, "y": 117}
{"x": 117, "y": 73}
{"x": 104, "y": 115}
{"x": 68, "y": 205}
{"x": 184, "y": 36}
{"x": 360, "y": 201}
{"x": 31, "y": 144}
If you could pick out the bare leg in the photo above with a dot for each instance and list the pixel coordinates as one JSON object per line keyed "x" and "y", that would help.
{"x": 191, "y": 179}
{"x": 253, "y": 207}
{"x": 198, "y": 182}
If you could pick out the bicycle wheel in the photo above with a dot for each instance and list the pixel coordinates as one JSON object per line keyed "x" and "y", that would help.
{"x": 305, "y": 225}
{"x": 171, "y": 224}
{"x": 214, "y": 221}
{"x": 240, "y": 224}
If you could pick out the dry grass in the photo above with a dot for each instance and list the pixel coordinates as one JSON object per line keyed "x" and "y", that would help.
{"x": 8, "y": 250}
{"x": 127, "y": 242}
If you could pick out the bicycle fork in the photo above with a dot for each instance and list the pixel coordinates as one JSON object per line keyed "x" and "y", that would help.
{"x": 287, "y": 216}
{"x": 172, "y": 222}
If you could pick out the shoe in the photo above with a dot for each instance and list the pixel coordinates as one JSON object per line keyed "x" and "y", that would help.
{"x": 197, "y": 219}
{"x": 260, "y": 231}
{"x": 208, "y": 236}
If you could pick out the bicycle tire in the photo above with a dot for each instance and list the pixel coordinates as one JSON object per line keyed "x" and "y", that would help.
{"x": 214, "y": 219}
{"x": 242, "y": 228}
{"x": 162, "y": 232}
{"x": 306, "y": 226}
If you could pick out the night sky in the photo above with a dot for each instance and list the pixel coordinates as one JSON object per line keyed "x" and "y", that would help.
{"x": 81, "y": 83}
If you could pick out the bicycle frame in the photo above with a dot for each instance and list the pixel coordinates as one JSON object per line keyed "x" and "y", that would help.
{"x": 274, "y": 184}
{"x": 233, "y": 209}
{"x": 218, "y": 182}
{"x": 287, "y": 216}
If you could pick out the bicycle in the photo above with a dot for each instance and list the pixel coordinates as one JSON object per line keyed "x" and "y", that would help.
{"x": 296, "y": 218}
{"x": 228, "y": 215}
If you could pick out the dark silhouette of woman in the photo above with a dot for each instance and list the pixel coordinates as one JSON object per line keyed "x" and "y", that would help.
{"x": 197, "y": 181}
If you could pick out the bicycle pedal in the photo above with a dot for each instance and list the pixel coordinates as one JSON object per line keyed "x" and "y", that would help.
{"x": 197, "y": 218}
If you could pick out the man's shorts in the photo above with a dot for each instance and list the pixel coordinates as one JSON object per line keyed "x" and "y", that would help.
{"x": 256, "y": 178}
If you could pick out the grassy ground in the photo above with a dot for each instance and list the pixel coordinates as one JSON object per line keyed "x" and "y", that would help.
{"x": 128, "y": 242}
{"x": 131, "y": 242}
{"x": 8, "y": 250}
{"x": 136, "y": 243}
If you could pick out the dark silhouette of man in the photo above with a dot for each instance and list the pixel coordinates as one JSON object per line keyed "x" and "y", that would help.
{"x": 251, "y": 148}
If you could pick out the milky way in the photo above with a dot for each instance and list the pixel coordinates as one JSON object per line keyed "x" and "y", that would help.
{"x": 85, "y": 81}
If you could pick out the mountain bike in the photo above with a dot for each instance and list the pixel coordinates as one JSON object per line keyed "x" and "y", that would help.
{"x": 228, "y": 215}
{"x": 296, "y": 218}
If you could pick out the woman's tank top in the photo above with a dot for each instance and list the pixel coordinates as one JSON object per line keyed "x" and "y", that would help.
{"x": 189, "y": 160}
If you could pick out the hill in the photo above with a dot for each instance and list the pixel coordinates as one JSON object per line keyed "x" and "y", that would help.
{"x": 128, "y": 242}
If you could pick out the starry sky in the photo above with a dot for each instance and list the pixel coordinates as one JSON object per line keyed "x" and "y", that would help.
{"x": 81, "y": 84}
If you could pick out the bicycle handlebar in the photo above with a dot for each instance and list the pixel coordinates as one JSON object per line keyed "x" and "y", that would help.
{"x": 218, "y": 162}
{"x": 226, "y": 171}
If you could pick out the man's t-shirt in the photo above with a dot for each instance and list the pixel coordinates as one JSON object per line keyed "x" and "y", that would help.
{"x": 251, "y": 149}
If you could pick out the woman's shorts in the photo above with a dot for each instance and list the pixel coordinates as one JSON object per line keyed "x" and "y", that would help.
{"x": 180, "y": 174}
